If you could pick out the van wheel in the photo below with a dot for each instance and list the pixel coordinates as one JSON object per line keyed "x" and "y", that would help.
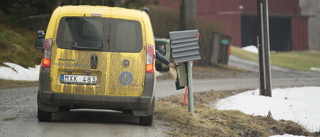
{"x": 44, "y": 115}
{"x": 146, "y": 120}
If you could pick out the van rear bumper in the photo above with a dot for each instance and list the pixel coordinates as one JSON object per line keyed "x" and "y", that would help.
{"x": 51, "y": 101}
{"x": 93, "y": 101}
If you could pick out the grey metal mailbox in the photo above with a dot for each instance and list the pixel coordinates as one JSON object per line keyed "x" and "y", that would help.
{"x": 184, "y": 46}
{"x": 185, "y": 50}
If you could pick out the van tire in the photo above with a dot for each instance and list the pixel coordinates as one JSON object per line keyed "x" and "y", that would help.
{"x": 146, "y": 120}
{"x": 44, "y": 116}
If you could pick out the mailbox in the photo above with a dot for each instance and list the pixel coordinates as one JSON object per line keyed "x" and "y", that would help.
{"x": 184, "y": 48}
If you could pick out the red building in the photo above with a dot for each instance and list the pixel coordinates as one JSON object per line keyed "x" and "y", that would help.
{"x": 288, "y": 28}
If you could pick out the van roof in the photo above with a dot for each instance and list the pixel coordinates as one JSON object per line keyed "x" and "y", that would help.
{"x": 94, "y": 11}
{"x": 87, "y": 10}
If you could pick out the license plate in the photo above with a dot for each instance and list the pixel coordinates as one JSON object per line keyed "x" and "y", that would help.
{"x": 79, "y": 79}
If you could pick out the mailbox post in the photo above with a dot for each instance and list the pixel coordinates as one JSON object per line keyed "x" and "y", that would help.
{"x": 184, "y": 50}
{"x": 190, "y": 87}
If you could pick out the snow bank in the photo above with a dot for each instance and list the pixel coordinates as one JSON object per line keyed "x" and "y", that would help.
{"x": 315, "y": 69}
{"x": 16, "y": 72}
{"x": 297, "y": 104}
{"x": 251, "y": 48}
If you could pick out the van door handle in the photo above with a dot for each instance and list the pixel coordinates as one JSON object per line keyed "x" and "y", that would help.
{"x": 94, "y": 61}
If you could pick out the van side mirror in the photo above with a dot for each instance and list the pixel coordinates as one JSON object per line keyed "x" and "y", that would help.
{"x": 40, "y": 40}
{"x": 41, "y": 33}
{"x": 161, "y": 49}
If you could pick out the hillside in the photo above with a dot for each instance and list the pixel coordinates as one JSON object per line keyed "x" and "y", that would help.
{"x": 17, "y": 46}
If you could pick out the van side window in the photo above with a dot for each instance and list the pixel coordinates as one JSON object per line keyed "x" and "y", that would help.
{"x": 107, "y": 34}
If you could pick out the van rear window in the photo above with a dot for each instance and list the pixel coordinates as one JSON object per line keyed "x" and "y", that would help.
{"x": 105, "y": 34}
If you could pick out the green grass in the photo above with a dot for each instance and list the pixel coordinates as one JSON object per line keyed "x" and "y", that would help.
{"x": 303, "y": 60}
{"x": 17, "y": 46}
{"x": 296, "y": 60}
{"x": 244, "y": 54}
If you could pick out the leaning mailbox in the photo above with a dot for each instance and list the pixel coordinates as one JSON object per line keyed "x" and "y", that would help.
{"x": 184, "y": 46}
{"x": 184, "y": 50}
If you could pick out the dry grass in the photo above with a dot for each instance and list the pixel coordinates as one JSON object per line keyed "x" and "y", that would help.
{"x": 13, "y": 83}
{"x": 17, "y": 46}
{"x": 209, "y": 121}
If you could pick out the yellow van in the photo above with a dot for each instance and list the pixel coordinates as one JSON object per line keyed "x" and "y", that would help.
{"x": 97, "y": 57}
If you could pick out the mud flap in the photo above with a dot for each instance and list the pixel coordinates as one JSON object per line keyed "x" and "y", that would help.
{"x": 47, "y": 108}
{"x": 147, "y": 112}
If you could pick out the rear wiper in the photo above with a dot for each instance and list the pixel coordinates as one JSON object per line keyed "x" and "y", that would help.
{"x": 75, "y": 46}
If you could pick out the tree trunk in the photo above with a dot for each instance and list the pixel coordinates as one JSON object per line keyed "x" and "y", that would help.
{"x": 59, "y": 2}
{"x": 188, "y": 14}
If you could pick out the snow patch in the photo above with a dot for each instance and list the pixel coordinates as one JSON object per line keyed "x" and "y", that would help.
{"x": 297, "y": 104}
{"x": 16, "y": 72}
{"x": 158, "y": 74}
{"x": 315, "y": 69}
{"x": 251, "y": 48}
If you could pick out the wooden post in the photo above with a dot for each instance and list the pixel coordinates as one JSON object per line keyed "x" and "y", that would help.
{"x": 264, "y": 48}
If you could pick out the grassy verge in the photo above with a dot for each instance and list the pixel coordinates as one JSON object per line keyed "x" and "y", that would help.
{"x": 296, "y": 60}
{"x": 244, "y": 54}
{"x": 209, "y": 121}
{"x": 17, "y": 46}
{"x": 13, "y": 83}
{"x": 293, "y": 60}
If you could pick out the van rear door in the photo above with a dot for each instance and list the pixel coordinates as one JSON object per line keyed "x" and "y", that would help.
{"x": 98, "y": 56}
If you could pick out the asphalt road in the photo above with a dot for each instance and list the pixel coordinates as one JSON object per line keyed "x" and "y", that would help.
{"x": 18, "y": 118}
{"x": 18, "y": 111}
{"x": 18, "y": 107}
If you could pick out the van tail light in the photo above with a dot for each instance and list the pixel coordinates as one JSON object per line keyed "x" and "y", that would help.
{"x": 46, "y": 53}
{"x": 150, "y": 59}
